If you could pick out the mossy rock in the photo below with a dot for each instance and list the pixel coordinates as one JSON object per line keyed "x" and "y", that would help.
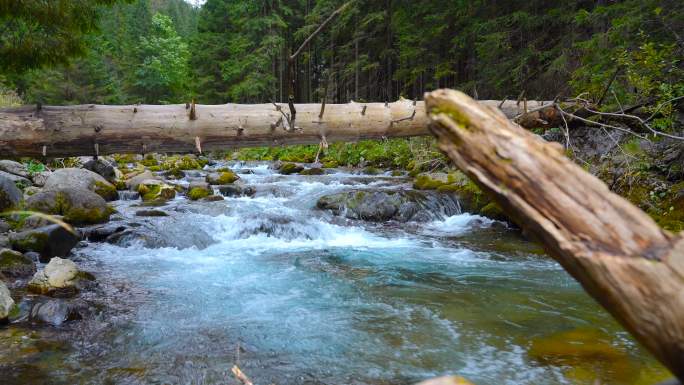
{"x": 77, "y": 206}
{"x": 186, "y": 162}
{"x": 290, "y": 168}
{"x": 150, "y": 161}
{"x": 175, "y": 173}
{"x": 426, "y": 182}
{"x": 312, "y": 171}
{"x": 197, "y": 193}
{"x": 154, "y": 190}
{"x": 372, "y": 171}
{"x": 106, "y": 191}
{"x": 154, "y": 168}
{"x": 224, "y": 177}
{"x": 15, "y": 264}
{"x": 397, "y": 173}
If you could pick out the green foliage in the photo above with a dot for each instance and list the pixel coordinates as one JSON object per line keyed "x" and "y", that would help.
{"x": 35, "y": 33}
{"x": 33, "y": 167}
{"x": 163, "y": 71}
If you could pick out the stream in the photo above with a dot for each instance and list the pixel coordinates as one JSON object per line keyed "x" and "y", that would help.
{"x": 297, "y": 295}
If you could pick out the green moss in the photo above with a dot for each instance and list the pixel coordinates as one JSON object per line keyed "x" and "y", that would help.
{"x": 330, "y": 164}
{"x": 449, "y": 188}
{"x": 312, "y": 171}
{"x": 150, "y": 161}
{"x": 290, "y": 168}
{"x": 10, "y": 260}
{"x": 120, "y": 185}
{"x": 227, "y": 177}
{"x": 197, "y": 193}
{"x": 80, "y": 216}
{"x": 106, "y": 191}
{"x": 370, "y": 170}
{"x": 153, "y": 192}
{"x": 154, "y": 168}
{"x": 397, "y": 173}
{"x": 34, "y": 241}
{"x": 424, "y": 182}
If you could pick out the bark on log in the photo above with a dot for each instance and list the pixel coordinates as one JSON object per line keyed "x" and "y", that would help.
{"x": 618, "y": 253}
{"x": 56, "y": 131}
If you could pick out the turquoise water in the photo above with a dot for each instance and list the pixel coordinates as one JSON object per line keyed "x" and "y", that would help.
{"x": 293, "y": 295}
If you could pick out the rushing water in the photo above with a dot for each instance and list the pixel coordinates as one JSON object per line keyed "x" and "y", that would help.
{"x": 296, "y": 296}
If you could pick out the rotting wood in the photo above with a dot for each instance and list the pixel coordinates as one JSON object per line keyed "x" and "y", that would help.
{"x": 59, "y": 131}
{"x": 621, "y": 257}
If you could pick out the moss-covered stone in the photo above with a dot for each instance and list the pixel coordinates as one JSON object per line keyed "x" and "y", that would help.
{"x": 15, "y": 264}
{"x": 105, "y": 190}
{"x": 312, "y": 171}
{"x": 330, "y": 164}
{"x": 290, "y": 168}
{"x": 154, "y": 190}
{"x": 197, "y": 193}
{"x": 370, "y": 170}
{"x": 150, "y": 161}
{"x": 425, "y": 182}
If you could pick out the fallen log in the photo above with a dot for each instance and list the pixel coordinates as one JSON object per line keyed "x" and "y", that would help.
{"x": 621, "y": 257}
{"x": 60, "y": 131}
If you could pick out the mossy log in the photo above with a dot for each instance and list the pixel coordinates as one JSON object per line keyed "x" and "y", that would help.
{"x": 59, "y": 131}
{"x": 621, "y": 257}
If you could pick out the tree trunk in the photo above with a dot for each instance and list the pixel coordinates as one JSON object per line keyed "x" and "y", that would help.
{"x": 75, "y": 130}
{"x": 618, "y": 253}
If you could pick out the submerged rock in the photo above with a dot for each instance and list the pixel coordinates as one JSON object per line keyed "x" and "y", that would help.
{"x": 15, "y": 264}
{"x": 236, "y": 190}
{"x": 49, "y": 241}
{"x": 151, "y": 213}
{"x": 82, "y": 179}
{"x": 78, "y": 206}
{"x": 59, "y": 278}
{"x": 10, "y": 195}
{"x": 378, "y": 206}
{"x": 54, "y": 312}
{"x": 6, "y": 302}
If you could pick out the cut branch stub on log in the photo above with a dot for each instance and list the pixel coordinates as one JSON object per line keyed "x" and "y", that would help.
{"x": 621, "y": 257}
{"x": 58, "y": 131}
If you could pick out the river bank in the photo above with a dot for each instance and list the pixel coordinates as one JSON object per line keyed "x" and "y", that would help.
{"x": 323, "y": 275}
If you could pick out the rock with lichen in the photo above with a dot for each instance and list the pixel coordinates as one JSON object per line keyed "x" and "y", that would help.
{"x": 48, "y": 241}
{"x": 78, "y": 206}
{"x": 59, "y": 278}
{"x": 82, "y": 179}
{"x": 14, "y": 264}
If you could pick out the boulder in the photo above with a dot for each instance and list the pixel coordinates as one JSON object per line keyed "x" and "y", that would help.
{"x": 135, "y": 181}
{"x": 18, "y": 181}
{"x": 290, "y": 168}
{"x": 10, "y": 195}
{"x": 78, "y": 206}
{"x": 213, "y": 198}
{"x": 236, "y": 190}
{"x": 54, "y": 312}
{"x": 156, "y": 190}
{"x": 49, "y": 241}
{"x": 151, "y": 213}
{"x": 4, "y": 226}
{"x": 81, "y": 179}
{"x": 379, "y": 206}
{"x": 36, "y": 220}
{"x": 59, "y": 278}
{"x": 102, "y": 167}
{"x": 102, "y": 232}
{"x": 224, "y": 177}
{"x": 13, "y": 167}
{"x": 312, "y": 171}
{"x": 6, "y": 302}
{"x": 14, "y": 264}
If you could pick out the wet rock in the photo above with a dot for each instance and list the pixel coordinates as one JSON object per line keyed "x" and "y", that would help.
{"x": 13, "y": 167}
{"x": 14, "y": 264}
{"x": 77, "y": 205}
{"x": 156, "y": 190}
{"x": 10, "y": 195}
{"x": 378, "y": 206}
{"x": 81, "y": 179}
{"x": 431, "y": 181}
{"x": 102, "y": 232}
{"x": 31, "y": 190}
{"x": 32, "y": 255}
{"x": 49, "y": 241}
{"x": 54, "y": 312}
{"x": 129, "y": 195}
{"x": 151, "y": 213}
{"x": 213, "y": 198}
{"x": 312, "y": 171}
{"x": 4, "y": 226}
{"x": 102, "y": 167}
{"x": 221, "y": 178}
{"x": 6, "y": 302}
{"x": 135, "y": 181}
{"x": 198, "y": 190}
{"x": 236, "y": 190}
{"x": 59, "y": 278}
{"x": 290, "y": 168}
